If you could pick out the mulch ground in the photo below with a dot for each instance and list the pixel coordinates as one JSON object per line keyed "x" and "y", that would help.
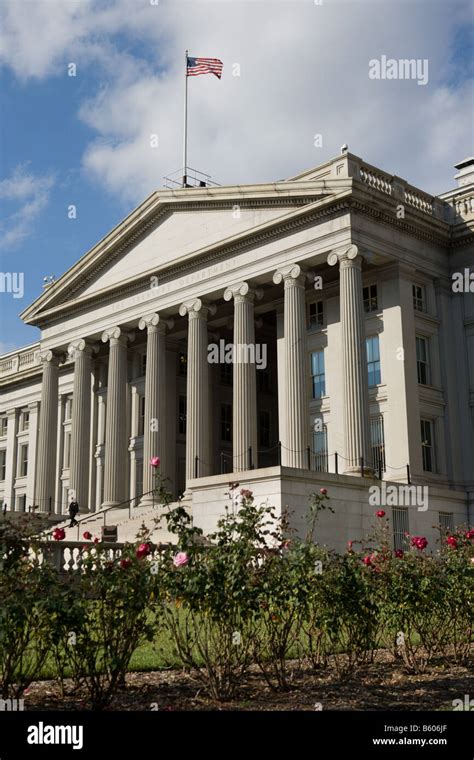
{"x": 382, "y": 685}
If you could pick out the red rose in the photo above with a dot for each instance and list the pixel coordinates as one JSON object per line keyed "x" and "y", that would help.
{"x": 143, "y": 550}
{"x": 470, "y": 534}
{"x": 398, "y": 553}
{"x": 96, "y": 540}
{"x": 59, "y": 534}
{"x": 87, "y": 535}
{"x": 452, "y": 542}
{"x": 420, "y": 542}
{"x": 367, "y": 560}
{"x": 380, "y": 513}
{"x": 323, "y": 491}
{"x": 125, "y": 563}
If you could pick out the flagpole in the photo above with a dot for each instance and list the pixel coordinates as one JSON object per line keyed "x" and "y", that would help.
{"x": 185, "y": 131}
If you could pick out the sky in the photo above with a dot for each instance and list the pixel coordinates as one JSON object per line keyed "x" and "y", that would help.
{"x": 85, "y": 84}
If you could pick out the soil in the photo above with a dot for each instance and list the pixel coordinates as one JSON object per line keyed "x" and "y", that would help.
{"x": 382, "y": 685}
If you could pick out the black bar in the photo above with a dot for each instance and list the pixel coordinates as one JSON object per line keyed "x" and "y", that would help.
{"x": 279, "y": 453}
{"x": 250, "y": 458}
{"x": 380, "y": 469}
{"x": 308, "y": 454}
{"x": 336, "y": 463}
{"x": 196, "y": 466}
{"x": 408, "y": 475}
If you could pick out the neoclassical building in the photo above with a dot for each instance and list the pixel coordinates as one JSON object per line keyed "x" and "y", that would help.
{"x": 314, "y": 331}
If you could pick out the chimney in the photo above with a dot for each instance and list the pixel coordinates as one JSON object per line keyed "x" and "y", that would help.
{"x": 466, "y": 172}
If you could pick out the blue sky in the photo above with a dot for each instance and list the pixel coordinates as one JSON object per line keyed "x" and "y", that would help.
{"x": 84, "y": 140}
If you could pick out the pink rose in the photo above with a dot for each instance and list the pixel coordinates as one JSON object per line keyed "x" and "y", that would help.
{"x": 323, "y": 491}
{"x": 452, "y": 542}
{"x": 349, "y": 545}
{"x": 155, "y": 461}
{"x": 246, "y": 493}
{"x": 367, "y": 560}
{"x": 420, "y": 542}
{"x": 470, "y": 534}
{"x": 180, "y": 559}
{"x": 143, "y": 550}
{"x": 87, "y": 535}
{"x": 380, "y": 513}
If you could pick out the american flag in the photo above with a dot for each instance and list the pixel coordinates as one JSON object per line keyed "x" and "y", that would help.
{"x": 198, "y": 66}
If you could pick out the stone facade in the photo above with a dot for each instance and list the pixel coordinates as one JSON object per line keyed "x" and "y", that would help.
{"x": 340, "y": 279}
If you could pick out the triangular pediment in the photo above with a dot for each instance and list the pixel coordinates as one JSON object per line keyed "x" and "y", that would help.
{"x": 173, "y": 228}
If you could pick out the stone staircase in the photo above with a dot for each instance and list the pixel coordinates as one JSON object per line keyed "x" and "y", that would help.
{"x": 127, "y": 527}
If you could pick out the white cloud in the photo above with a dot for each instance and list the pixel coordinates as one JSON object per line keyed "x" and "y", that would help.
{"x": 29, "y": 194}
{"x": 304, "y": 71}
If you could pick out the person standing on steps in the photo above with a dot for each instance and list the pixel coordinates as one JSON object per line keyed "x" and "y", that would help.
{"x": 73, "y": 510}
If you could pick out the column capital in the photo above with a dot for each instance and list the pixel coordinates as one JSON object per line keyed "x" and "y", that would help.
{"x": 80, "y": 346}
{"x": 154, "y": 323}
{"x": 48, "y": 357}
{"x": 349, "y": 255}
{"x": 292, "y": 275}
{"x": 242, "y": 291}
{"x": 116, "y": 335}
{"x": 197, "y": 308}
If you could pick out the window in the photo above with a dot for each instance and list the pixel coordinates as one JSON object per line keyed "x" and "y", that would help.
{"x": 3, "y": 464}
{"x": 24, "y": 420}
{"x": 3, "y": 426}
{"x": 419, "y": 298}
{"x": 370, "y": 298}
{"x": 317, "y": 374}
{"x": 263, "y": 381}
{"x": 141, "y": 415}
{"x": 320, "y": 450}
{"x": 143, "y": 365}
{"x": 226, "y": 373}
{"x": 182, "y": 415}
{"x": 226, "y": 422}
{"x": 139, "y": 477}
{"x": 422, "y": 361}
{"x": 373, "y": 361}
{"x": 400, "y": 528}
{"x": 264, "y": 429}
{"x": 377, "y": 442}
{"x": 68, "y": 408}
{"x": 182, "y": 363}
{"x": 67, "y": 450}
{"x": 427, "y": 446}
{"x": 446, "y": 522}
{"x": 316, "y": 314}
{"x": 23, "y": 461}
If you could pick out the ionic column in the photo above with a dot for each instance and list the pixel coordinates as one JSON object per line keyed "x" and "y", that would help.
{"x": 197, "y": 416}
{"x": 81, "y": 352}
{"x": 244, "y": 413}
{"x": 296, "y": 423}
{"x": 154, "y": 432}
{"x": 354, "y": 359}
{"x": 116, "y": 450}
{"x": 47, "y": 436}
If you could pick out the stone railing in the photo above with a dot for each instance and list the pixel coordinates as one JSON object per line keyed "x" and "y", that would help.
{"x": 376, "y": 179}
{"x": 66, "y": 556}
{"x": 398, "y": 189}
{"x": 20, "y": 361}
